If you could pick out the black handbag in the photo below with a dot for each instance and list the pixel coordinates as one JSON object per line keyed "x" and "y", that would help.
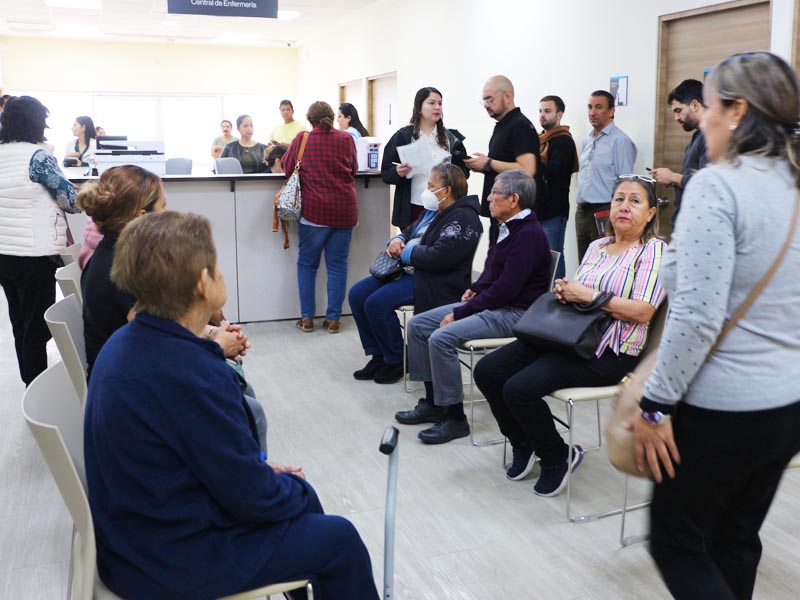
{"x": 570, "y": 328}
{"x": 386, "y": 268}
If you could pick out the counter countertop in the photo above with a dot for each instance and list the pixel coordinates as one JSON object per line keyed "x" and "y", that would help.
{"x": 212, "y": 177}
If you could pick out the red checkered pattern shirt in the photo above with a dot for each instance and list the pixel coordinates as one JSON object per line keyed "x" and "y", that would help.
{"x": 327, "y": 177}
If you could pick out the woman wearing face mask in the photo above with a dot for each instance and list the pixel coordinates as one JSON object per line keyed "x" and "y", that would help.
{"x": 437, "y": 251}
{"x": 426, "y": 124}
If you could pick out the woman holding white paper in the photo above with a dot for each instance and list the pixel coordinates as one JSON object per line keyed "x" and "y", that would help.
{"x": 427, "y": 132}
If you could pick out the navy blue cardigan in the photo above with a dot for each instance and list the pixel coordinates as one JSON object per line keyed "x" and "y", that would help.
{"x": 183, "y": 505}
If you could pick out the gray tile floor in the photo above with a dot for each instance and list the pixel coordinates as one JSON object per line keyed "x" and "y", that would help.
{"x": 463, "y": 531}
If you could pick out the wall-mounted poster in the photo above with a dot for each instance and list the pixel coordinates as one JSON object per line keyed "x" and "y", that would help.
{"x": 618, "y": 87}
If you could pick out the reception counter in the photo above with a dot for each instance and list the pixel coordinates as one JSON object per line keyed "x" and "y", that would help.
{"x": 261, "y": 276}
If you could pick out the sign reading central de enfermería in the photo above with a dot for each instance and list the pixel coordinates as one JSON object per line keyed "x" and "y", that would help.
{"x": 225, "y": 8}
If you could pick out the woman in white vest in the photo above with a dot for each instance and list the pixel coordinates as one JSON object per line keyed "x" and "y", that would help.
{"x": 34, "y": 194}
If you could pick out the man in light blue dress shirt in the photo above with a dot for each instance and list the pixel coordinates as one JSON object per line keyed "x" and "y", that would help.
{"x": 607, "y": 152}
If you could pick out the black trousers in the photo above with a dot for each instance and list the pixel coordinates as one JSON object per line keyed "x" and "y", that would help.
{"x": 516, "y": 378}
{"x": 705, "y": 522}
{"x": 30, "y": 288}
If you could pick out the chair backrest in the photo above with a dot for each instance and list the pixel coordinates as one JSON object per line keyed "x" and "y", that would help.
{"x": 70, "y": 253}
{"x": 69, "y": 280}
{"x": 178, "y": 166}
{"x": 228, "y": 166}
{"x": 555, "y": 255}
{"x": 55, "y": 418}
{"x": 65, "y": 321}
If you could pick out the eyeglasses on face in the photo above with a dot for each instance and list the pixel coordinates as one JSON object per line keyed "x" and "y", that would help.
{"x": 486, "y": 101}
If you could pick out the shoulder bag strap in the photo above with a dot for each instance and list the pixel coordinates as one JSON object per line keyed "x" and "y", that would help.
{"x": 731, "y": 323}
{"x": 301, "y": 152}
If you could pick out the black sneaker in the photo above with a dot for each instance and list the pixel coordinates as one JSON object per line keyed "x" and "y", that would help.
{"x": 389, "y": 373}
{"x": 523, "y": 459}
{"x": 553, "y": 480}
{"x": 421, "y": 413}
{"x": 444, "y": 431}
{"x": 370, "y": 369}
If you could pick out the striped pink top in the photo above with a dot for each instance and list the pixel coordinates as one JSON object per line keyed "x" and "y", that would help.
{"x": 632, "y": 275}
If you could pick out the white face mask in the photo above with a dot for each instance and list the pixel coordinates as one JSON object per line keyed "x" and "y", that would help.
{"x": 429, "y": 199}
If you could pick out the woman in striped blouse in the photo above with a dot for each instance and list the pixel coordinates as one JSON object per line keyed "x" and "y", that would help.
{"x": 516, "y": 378}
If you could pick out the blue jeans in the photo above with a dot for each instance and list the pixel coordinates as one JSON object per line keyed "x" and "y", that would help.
{"x": 555, "y": 229}
{"x": 336, "y": 243}
{"x": 373, "y": 304}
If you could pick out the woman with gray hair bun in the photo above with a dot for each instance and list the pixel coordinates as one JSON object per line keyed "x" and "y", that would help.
{"x": 735, "y": 411}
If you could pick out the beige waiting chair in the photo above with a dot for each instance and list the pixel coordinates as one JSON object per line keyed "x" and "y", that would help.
{"x": 56, "y": 420}
{"x": 481, "y": 347}
{"x": 178, "y": 166}
{"x": 69, "y": 280}
{"x": 572, "y": 396}
{"x": 227, "y": 166}
{"x": 70, "y": 253}
{"x": 65, "y": 322}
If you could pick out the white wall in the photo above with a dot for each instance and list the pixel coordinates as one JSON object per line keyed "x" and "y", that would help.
{"x": 69, "y": 75}
{"x": 568, "y": 48}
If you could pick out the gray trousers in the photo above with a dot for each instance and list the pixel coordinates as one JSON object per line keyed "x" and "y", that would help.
{"x": 432, "y": 354}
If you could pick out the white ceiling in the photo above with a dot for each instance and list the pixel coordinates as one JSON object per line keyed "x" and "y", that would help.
{"x": 148, "y": 21}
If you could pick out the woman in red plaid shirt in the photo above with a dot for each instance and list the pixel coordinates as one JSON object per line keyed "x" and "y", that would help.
{"x": 330, "y": 211}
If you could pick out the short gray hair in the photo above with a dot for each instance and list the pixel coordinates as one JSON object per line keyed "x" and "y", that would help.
{"x": 518, "y": 182}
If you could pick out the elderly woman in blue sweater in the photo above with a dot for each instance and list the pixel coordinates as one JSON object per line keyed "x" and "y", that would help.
{"x": 182, "y": 501}
{"x": 517, "y": 271}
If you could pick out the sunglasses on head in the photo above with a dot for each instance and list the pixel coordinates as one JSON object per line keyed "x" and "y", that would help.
{"x": 635, "y": 177}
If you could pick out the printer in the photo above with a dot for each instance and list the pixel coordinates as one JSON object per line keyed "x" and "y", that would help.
{"x": 148, "y": 155}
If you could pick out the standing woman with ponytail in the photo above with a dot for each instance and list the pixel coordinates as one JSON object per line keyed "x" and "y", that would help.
{"x": 426, "y": 124}
{"x": 330, "y": 211}
{"x": 735, "y": 406}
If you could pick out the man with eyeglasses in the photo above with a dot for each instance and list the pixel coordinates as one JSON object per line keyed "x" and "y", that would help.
{"x": 607, "y": 152}
{"x": 514, "y": 143}
{"x": 686, "y": 103}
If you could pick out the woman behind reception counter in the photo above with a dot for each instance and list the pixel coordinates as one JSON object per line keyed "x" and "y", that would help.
{"x": 246, "y": 150}
{"x": 348, "y": 121}
{"x": 84, "y": 146}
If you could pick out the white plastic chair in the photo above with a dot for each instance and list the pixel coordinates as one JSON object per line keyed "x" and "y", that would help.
{"x": 572, "y": 396}
{"x": 178, "y": 166}
{"x": 56, "y": 420}
{"x": 481, "y": 347}
{"x": 69, "y": 280}
{"x": 65, "y": 322}
{"x": 70, "y": 253}
{"x": 228, "y": 166}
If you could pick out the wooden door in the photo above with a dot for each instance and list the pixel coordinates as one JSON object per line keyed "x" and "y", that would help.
{"x": 690, "y": 43}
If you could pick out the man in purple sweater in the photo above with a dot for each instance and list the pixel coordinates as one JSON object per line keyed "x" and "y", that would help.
{"x": 517, "y": 271}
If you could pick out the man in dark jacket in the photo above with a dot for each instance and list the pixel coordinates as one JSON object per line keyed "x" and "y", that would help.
{"x": 517, "y": 271}
{"x": 686, "y": 103}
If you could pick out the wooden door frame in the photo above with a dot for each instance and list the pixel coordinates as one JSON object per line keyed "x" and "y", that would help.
{"x": 661, "y": 83}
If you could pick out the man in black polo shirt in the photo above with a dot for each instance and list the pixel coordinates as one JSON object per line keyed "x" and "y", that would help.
{"x": 514, "y": 143}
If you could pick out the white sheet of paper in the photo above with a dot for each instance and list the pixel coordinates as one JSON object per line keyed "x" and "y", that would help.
{"x": 421, "y": 157}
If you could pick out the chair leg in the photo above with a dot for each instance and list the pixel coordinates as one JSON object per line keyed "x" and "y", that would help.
{"x": 633, "y": 539}
{"x": 473, "y": 441}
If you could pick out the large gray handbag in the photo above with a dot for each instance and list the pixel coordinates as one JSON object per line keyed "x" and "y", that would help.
{"x": 571, "y": 328}
{"x": 288, "y": 206}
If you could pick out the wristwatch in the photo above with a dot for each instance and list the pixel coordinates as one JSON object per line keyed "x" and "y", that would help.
{"x": 653, "y": 417}
{"x": 487, "y": 168}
